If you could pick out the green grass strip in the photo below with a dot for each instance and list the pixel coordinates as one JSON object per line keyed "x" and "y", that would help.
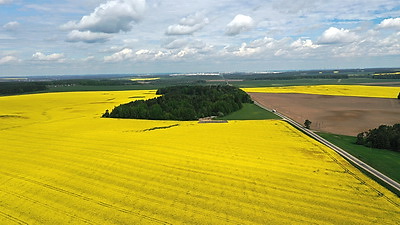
{"x": 250, "y": 112}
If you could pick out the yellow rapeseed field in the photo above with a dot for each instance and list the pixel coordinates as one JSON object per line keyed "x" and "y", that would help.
{"x": 60, "y": 163}
{"x": 339, "y": 90}
{"x": 145, "y": 79}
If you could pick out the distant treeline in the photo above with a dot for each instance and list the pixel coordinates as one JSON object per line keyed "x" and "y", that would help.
{"x": 184, "y": 103}
{"x": 90, "y": 82}
{"x": 383, "y": 137}
{"x": 12, "y": 88}
{"x": 294, "y": 77}
{"x": 284, "y": 76}
{"x": 388, "y": 76}
{"x": 20, "y": 87}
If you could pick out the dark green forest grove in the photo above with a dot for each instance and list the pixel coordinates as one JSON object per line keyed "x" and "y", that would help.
{"x": 383, "y": 137}
{"x": 184, "y": 103}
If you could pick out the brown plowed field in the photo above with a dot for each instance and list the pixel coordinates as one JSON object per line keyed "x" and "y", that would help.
{"x": 334, "y": 114}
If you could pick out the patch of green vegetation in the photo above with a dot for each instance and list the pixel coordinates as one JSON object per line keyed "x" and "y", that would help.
{"x": 385, "y": 161}
{"x": 250, "y": 112}
{"x": 184, "y": 103}
{"x": 383, "y": 137}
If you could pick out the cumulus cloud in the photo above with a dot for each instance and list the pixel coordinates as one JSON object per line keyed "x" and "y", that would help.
{"x": 113, "y": 16}
{"x": 11, "y": 26}
{"x": 122, "y": 55}
{"x": 140, "y": 55}
{"x": 3, "y": 2}
{"x": 239, "y": 24}
{"x": 265, "y": 46}
{"x": 55, "y": 57}
{"x": 8, "y": 59}
{"x": 390, "y": 23}
{"x": 334, "y": 35}
{"x": 268, "y": 47}
{"x": 300, "y": 44}
{"x": 87, "y": 36}
{"x": 188, "y": 25}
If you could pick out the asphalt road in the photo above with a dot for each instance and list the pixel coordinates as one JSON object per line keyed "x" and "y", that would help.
{"x": 340, "y": 151}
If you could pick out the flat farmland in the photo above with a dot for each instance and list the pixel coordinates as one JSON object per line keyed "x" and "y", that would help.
{"x": 334, "y": 114}
{"x": 338, "y": 109}
{"x": 60, "y": 163}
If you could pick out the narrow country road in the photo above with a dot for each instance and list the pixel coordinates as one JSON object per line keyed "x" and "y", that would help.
{"x": 340, "y": 151}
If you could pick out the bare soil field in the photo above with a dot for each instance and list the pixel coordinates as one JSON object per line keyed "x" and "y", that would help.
{"x": 334, "y": 114}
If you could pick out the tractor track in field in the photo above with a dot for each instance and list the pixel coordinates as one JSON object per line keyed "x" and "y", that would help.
{"x": 48, "y": 206}
{"x": 101, "y": 203}
{"x": 12, "y": 218}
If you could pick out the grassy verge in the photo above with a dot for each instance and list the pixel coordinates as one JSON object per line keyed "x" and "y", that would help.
{"x": 386, "y": 161}
{"x": 250, "y": 112}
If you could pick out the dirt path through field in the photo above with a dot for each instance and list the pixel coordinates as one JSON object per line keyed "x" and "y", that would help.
{"x": 334, "y": 114}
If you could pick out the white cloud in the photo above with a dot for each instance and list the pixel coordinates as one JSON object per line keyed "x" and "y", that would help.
{"x": 266, "y": 47}
{"x": 187, "y": 43}
{"x": 239, "y": 24}
{"x": 8, "y": 59}
{"x": 300, "y": 44}
{"x": 11, "y": 26}
{"x": 87, "y": 36}
{"x": 89, "y": 58}
{"x": 188, "y": 25}
{"x": 113, "y": 16}
{"x": 265, "y": 42}
{"x": 122, "y": 55}
{"x": 185, "y": 53}
{"x": 3, "y": 2}
{"x": 334, "y": 35}
{"x": 246, "y": 50}
{"x": 390, "y": 23}
{"x": 146, "y": 54}
{"x": 57, "y": 57}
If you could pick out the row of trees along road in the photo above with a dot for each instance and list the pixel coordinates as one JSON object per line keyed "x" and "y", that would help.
{"x": 184, "y": 103}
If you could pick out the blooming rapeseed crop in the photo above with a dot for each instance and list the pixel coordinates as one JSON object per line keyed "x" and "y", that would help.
{"x": 339, "y": 90}
{"x": 60, "y": 163}
{"x": 145, "y": 79}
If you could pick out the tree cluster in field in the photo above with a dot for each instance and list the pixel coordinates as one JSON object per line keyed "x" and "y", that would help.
{"x": 11, "y": 88}
{"x": 184, "y": 103}
{"x": 383, "y": 137}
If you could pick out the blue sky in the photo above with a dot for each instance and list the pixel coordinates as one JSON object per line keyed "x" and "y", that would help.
{"x": 152, "y": 36}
